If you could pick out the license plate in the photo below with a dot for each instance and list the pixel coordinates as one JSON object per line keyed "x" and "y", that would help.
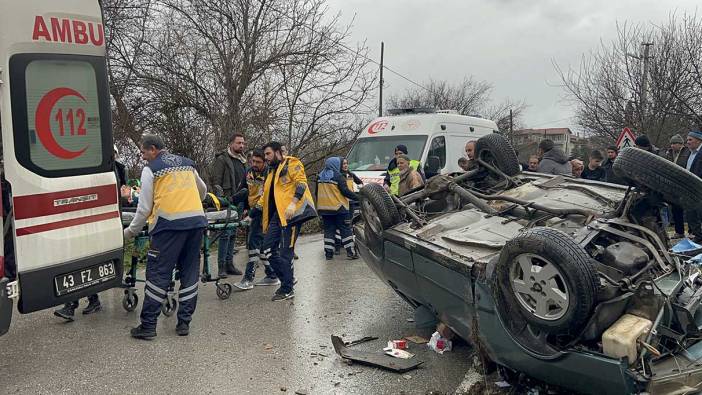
{"x": 84, "y": 278}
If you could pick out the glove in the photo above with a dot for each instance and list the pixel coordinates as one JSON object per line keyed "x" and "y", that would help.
{"x": 290, "y": 211}
{"x": 127, "y": 234}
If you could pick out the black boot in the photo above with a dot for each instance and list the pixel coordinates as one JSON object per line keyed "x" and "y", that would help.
{"x": 221, "y": 270}
{"x": 93, "y": 305}
{"x": 141, "y": 333}
{"x": 182, "y": 329}
{"x": 67, "y": 311}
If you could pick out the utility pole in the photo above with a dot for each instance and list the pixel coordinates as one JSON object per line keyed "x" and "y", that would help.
{"x": 380, "y": 99}
{"x": 644, "y": 87}
{"x": 511, "y": 127}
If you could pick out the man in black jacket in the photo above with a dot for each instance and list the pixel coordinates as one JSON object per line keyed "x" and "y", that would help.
{"x": 678, "y": 154}
{"x": 593, "y": 170}
{"x": 694, "y": 165}
{"x": 612, "y": 153}
{"x": 228, "y": 172}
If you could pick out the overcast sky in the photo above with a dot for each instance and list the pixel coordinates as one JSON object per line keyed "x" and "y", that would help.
{"x": 509, "y": 43}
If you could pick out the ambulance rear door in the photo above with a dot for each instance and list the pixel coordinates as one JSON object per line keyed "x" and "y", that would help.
{"x": 57, "y": 142}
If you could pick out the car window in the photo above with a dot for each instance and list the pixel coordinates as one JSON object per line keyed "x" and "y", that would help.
{"x": 438, "y": 149}
{"x": 59, "y": 112}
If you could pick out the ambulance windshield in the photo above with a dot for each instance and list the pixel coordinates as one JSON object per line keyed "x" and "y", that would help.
{"x": 374, "y": 153}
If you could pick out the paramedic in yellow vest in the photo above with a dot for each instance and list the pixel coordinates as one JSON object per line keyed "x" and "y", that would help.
{"x": 171, "y": 203}
{"x": 253, "y": 182}
{"x": 354, "y": 183}
{"x": 286, "y": 203}
{"x": 333, "y": 205}
{"x": 392, "y": 177}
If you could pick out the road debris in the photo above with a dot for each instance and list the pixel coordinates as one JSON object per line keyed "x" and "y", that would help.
{"x": 439, "y": 343}
{"x": 417, "y": 339}
{"x": 361, "y": 340}
{"x": 398, "y": 344}
{"x": 399, "y": 353}
{"x": 374, "y": 359}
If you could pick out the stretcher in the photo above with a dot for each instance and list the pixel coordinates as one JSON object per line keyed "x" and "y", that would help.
{"x": 217, "y": 222}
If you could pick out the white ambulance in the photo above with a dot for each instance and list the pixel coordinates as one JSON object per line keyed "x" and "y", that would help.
{"x": 64, "y": 222}
{"x": 436, "y": 138}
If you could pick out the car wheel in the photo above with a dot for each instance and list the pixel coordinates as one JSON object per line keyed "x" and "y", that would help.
{"x": 497, "y": 151}
{"x": 547, "y": 279}
{"x": 642, "y": 168}
{"x": 378, "y": 209}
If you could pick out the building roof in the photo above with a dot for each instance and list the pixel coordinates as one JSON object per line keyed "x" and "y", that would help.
{"x": 547, "y": 131}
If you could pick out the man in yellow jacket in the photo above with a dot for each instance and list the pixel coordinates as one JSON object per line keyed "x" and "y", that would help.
{"x": 286, "y": 203}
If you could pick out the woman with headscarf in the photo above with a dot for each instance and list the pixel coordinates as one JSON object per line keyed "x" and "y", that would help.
{"x": 353, "y": 182}
{"x": 333, "y": 204}
{"x": 409, "y": 177}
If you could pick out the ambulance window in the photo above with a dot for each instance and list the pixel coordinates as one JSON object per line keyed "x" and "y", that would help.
{"x": 60, "y": 114}
{"x": 438, "y": 149}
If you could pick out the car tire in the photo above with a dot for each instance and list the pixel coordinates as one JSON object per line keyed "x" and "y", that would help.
{"x": 496, "y": 150}
{"x": 378, "y": 209}
{"x": 559, "y": 297}
{"x": 642, "y": 168}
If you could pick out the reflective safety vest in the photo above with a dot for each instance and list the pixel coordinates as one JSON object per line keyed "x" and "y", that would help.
{"x": 395, "y": 177}
{"x": 329, "y": 196}
{"x": 288, "y": 175}
{"x": 177, "y": 204}
{"x": 350, "y": 184}
{"x": 254, "y": 183}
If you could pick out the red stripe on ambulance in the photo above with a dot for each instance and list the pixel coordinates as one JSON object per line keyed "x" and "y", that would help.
{"x": 68, "y": 31}
{"x": 39, "y": 205}
{"x": 30, "y": 230}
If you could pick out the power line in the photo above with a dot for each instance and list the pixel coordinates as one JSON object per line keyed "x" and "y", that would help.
{"x": 344, "y": 46}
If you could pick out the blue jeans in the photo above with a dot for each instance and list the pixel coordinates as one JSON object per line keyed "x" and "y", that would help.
{"x": 279, "y": 245}
{"x": 225, "y": 249}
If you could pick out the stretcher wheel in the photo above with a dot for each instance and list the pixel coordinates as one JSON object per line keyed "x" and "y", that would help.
{"x": 169, "y": 306}
{"x": 130, "y": 301}
{"x": 224, "y": 291}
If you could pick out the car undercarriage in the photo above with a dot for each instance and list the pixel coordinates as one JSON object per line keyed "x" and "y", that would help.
{"x": 569, "y": 281}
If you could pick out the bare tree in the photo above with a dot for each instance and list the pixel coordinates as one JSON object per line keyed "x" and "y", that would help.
{"x": 196, "y": 71}
{"x": 607, "y": 88}
{"x": 468, "y": 97}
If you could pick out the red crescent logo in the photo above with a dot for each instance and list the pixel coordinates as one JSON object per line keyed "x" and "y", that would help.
{"x": 42, "y": 121}
{"x": 377, "y": 126}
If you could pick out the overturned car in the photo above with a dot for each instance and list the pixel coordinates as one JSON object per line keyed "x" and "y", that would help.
{"x": 569, "y": 281}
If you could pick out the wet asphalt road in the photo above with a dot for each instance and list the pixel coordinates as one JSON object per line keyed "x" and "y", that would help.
{"x": 246, "y": 344}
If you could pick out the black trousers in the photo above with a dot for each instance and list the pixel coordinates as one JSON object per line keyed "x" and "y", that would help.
{"x": 678, "y": 219}
{"x": 694, "y": 222}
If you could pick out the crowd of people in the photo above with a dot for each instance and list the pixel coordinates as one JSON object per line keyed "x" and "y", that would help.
{"x": 269, "y": 186}
{"x": 683, "y": 152}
